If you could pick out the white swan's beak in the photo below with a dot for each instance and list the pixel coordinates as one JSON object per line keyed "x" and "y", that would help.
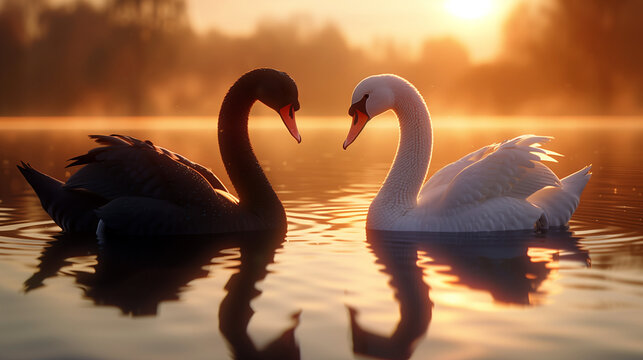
{"x": 359, "y": 121}
{"x": 288, "y": 117}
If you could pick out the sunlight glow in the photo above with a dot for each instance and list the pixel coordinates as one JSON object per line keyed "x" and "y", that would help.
{"x": 469, "y": 9}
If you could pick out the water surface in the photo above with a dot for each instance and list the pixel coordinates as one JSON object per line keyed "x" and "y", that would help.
{"x": 328, "y": 289}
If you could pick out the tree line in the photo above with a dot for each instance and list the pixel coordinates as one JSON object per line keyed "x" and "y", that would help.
{"x": 142, "y": 57}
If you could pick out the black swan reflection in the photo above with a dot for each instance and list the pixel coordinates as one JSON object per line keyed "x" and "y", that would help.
{"x": 498, "y": 263}
{"x": 132, "y": 187}
{"x": 137, "y": 277}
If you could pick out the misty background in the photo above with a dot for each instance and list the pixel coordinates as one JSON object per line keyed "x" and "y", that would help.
{"x": 143, "y": 57}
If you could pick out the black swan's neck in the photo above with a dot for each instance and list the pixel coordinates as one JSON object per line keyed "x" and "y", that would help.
{"x": 255, "y": 193}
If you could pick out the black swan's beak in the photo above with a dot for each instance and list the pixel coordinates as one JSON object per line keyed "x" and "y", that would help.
{"x": 287, "y": 114}
{"x": 359, "y": 121}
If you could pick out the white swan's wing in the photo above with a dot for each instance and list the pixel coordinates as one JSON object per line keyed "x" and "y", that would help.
{"x": 559, "y": 203}
{"x": 128, "y": 167}
{"x": 511, "y": 169}
{"x": 447, "y": 173}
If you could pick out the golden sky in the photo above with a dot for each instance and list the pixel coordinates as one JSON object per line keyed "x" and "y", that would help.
{"x": 476, "y": 23}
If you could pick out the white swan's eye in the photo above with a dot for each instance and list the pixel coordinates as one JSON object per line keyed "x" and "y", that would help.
{"x": 358, "y": 106}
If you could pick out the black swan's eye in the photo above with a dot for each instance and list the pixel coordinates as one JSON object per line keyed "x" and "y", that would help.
{"x": 365, "y": 96}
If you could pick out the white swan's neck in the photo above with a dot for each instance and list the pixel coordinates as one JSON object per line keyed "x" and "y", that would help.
{"x": 400, "y": 190}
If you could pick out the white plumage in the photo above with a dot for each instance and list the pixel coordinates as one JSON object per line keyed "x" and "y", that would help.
{"x": 503, "y": 186}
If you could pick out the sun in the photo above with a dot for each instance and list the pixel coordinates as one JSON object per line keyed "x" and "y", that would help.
{"x": 469, "y": 9}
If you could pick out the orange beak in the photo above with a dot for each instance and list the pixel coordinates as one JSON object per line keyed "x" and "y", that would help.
{"x": 359, "y": 121}
{"x": 288, "y": 116}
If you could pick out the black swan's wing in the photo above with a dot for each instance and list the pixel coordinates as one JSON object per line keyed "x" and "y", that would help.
{"x": 150, "y": 189}
{"x": 206, "y": 173}
{"x": 126, "y": 166}
{"x": 128, "y": 144}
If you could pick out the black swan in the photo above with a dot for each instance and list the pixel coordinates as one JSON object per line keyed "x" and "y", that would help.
{"x": 132, "y": 187}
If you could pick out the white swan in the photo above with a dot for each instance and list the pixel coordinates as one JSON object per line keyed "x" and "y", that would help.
{"x": 499, "y": 187}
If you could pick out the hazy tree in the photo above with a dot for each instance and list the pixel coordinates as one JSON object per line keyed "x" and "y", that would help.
{"x": 13, "y": 48}
{"x": 141, "y": 57}
{"x": 584, "y": 49}
{"x": 157, "y": 14}
{"x": 436, "y": 73}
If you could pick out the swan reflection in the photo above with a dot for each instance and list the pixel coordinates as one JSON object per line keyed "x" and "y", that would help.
{"x": 138, "y": 276}
{"x": 498, "y": 263}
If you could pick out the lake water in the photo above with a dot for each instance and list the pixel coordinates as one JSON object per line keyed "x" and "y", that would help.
{"x": 329, "y": 289}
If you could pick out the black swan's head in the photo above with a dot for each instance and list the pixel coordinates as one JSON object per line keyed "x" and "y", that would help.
{"x": 278, "y": 91}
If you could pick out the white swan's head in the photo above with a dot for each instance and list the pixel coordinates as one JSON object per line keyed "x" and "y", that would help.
{"x": 371, "y": 97}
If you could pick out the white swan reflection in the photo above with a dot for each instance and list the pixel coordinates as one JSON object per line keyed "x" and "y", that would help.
{"x": 498, "y": 263}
